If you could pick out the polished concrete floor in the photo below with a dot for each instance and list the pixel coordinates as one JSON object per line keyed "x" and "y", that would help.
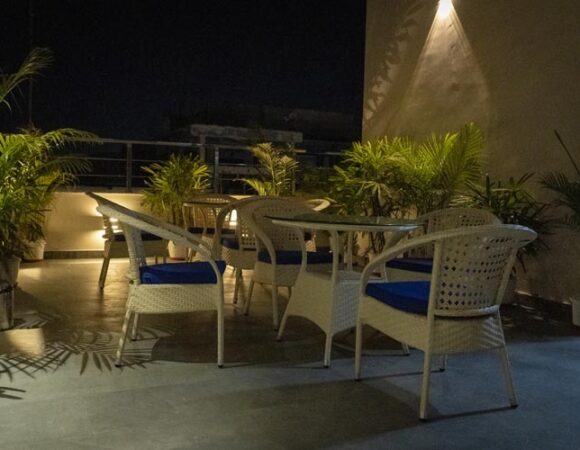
{"x": 60, "y": 390}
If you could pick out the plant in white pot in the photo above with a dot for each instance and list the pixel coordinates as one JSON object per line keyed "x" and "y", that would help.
{"x": 170, "y": 184}
{"x": 30, "y": 173}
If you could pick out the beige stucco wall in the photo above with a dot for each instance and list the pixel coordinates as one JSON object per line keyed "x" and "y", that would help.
{"x": 510, "y": 66}
{"x": 73, "y": 224}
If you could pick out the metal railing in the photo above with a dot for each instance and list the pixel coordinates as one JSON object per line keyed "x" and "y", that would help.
{"x": 117, "y": 163}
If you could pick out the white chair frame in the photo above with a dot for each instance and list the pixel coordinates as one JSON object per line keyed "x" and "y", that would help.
{"x": 164, "y": 298}
{"x": 434, "y": 221}
{"x": 118, "y": 249}
{"x": 471, "y": 270}
{"x": 271, "y": 237}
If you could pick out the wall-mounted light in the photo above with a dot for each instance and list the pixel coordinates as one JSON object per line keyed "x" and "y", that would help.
{"x": 444, "y": 9}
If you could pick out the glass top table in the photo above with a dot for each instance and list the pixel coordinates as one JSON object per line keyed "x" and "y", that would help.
{"x": 336, "y": 222}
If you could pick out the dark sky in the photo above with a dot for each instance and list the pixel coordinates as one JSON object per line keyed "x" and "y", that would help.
{"x": 121, "y": 66}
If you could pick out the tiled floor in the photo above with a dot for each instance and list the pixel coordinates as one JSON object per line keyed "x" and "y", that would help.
{"x": 270, "y": 395}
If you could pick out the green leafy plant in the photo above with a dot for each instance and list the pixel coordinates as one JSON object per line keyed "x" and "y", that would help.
{"x": 277, "y": 169}
{"x": 567, "y": 190}
{"x": 37, "y": 60}
{"x": 401, "y": 177}
{"x": 512, "y": 203}
{"x": 173, "y": 182}
{"x": 436, "y": 170}
{"x": 31, "y": 170}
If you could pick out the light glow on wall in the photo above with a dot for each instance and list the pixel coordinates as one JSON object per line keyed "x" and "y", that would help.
{"x": 445, "y": 8}
{"x": 447, "y": 80}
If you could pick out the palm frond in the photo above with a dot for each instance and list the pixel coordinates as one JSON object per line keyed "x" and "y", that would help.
{"x": 37, "y": 60}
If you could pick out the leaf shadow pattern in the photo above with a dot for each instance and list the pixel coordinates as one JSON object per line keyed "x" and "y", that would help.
{"x": 11, "y": 393}
{"x": 95, "y": 348}
{"x": 396, "y": 35}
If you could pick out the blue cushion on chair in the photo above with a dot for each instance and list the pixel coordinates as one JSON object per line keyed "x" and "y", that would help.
{"x": 423, "y": 265}
{"x": 180, "y": 273}
{"x": 120, "y": 237}
{"x": 294, "y": 257}
{"x": 408, "y": 296}
{"x": 231, "y": 242}
{"x": 199, "y": 230}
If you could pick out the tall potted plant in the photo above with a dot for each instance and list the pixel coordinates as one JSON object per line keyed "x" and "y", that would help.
{"x": 172, "y": 183}
{"x": 30, "y": 172}
{"x": 403, "y": 177}
{"x": 277, "y": 168}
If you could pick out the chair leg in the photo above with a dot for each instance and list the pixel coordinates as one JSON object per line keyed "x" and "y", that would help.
{"x": 275, "y": 317}
{"x": 241, "y": 292}
{"x": 507, "y": 373}
{"x": 134, "y": 327}
{"x": 236, "y": 286}
{"x": 249, "y": 299}
{"x": 405, "y": 348}
{"x": 424, "y": 406}
{"x": 358, "y": 351}
{"x": 327, "y": 350}
{"x": 220, "y": 337}
{"x": 282, "y": 325}
{"x": 289, "y": 292}
{"x": 104, "y": 269}
{"x": 123, "y": 339}
{"x": 156, "y": 259}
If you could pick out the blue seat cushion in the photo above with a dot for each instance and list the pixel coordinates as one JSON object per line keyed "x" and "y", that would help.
{"x": 408, "y": 296}
{"x": 199, "y": 230}
{"x": 423, "y": 265}
{"x": 294, "y": 257}
{"x": 181, "y": 273}
{"x": 231, "y": 242}
{"x": 120, "y": 237}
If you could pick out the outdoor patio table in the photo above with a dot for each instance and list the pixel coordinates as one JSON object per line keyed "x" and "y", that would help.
{"x": 330, "y": 299}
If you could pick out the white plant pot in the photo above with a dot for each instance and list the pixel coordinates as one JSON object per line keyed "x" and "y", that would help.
{"x": 575, "y": 311}
{"x": 177, "y": 251}
{"x": 9, "y": 270}
{"x": 35, "y": 251}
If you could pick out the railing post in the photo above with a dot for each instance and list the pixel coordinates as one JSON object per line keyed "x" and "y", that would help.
{"x": 129, "y": 167}
{"x": 216, "y": 169}
{"x": 202, "y": 151}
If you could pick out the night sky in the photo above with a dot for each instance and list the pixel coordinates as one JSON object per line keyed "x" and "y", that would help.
{"x": 122, "y": 66}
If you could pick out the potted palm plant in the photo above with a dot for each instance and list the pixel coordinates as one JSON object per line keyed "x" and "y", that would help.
{"x": 30, "y": 173}
{"x": 401, "y": 177}
{"x": 277, "y": 169}
{"x": 172, "y": 183}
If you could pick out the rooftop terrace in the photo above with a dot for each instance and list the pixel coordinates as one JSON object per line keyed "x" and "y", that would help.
{"x": 270, "y": 394}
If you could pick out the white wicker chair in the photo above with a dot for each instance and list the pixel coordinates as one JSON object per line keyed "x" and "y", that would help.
{"x": 200, "y": 214}
{"x": 167, "y": 288}
{"x": 116, "y": 245}
{"x": 238, "y": 250}
{"x": 418, "y": 262}
{"x": 458, "y": 309}
{"x": 279, "y": 249}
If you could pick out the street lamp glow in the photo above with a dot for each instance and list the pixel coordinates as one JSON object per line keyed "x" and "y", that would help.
{"x": 445, "y": 8}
